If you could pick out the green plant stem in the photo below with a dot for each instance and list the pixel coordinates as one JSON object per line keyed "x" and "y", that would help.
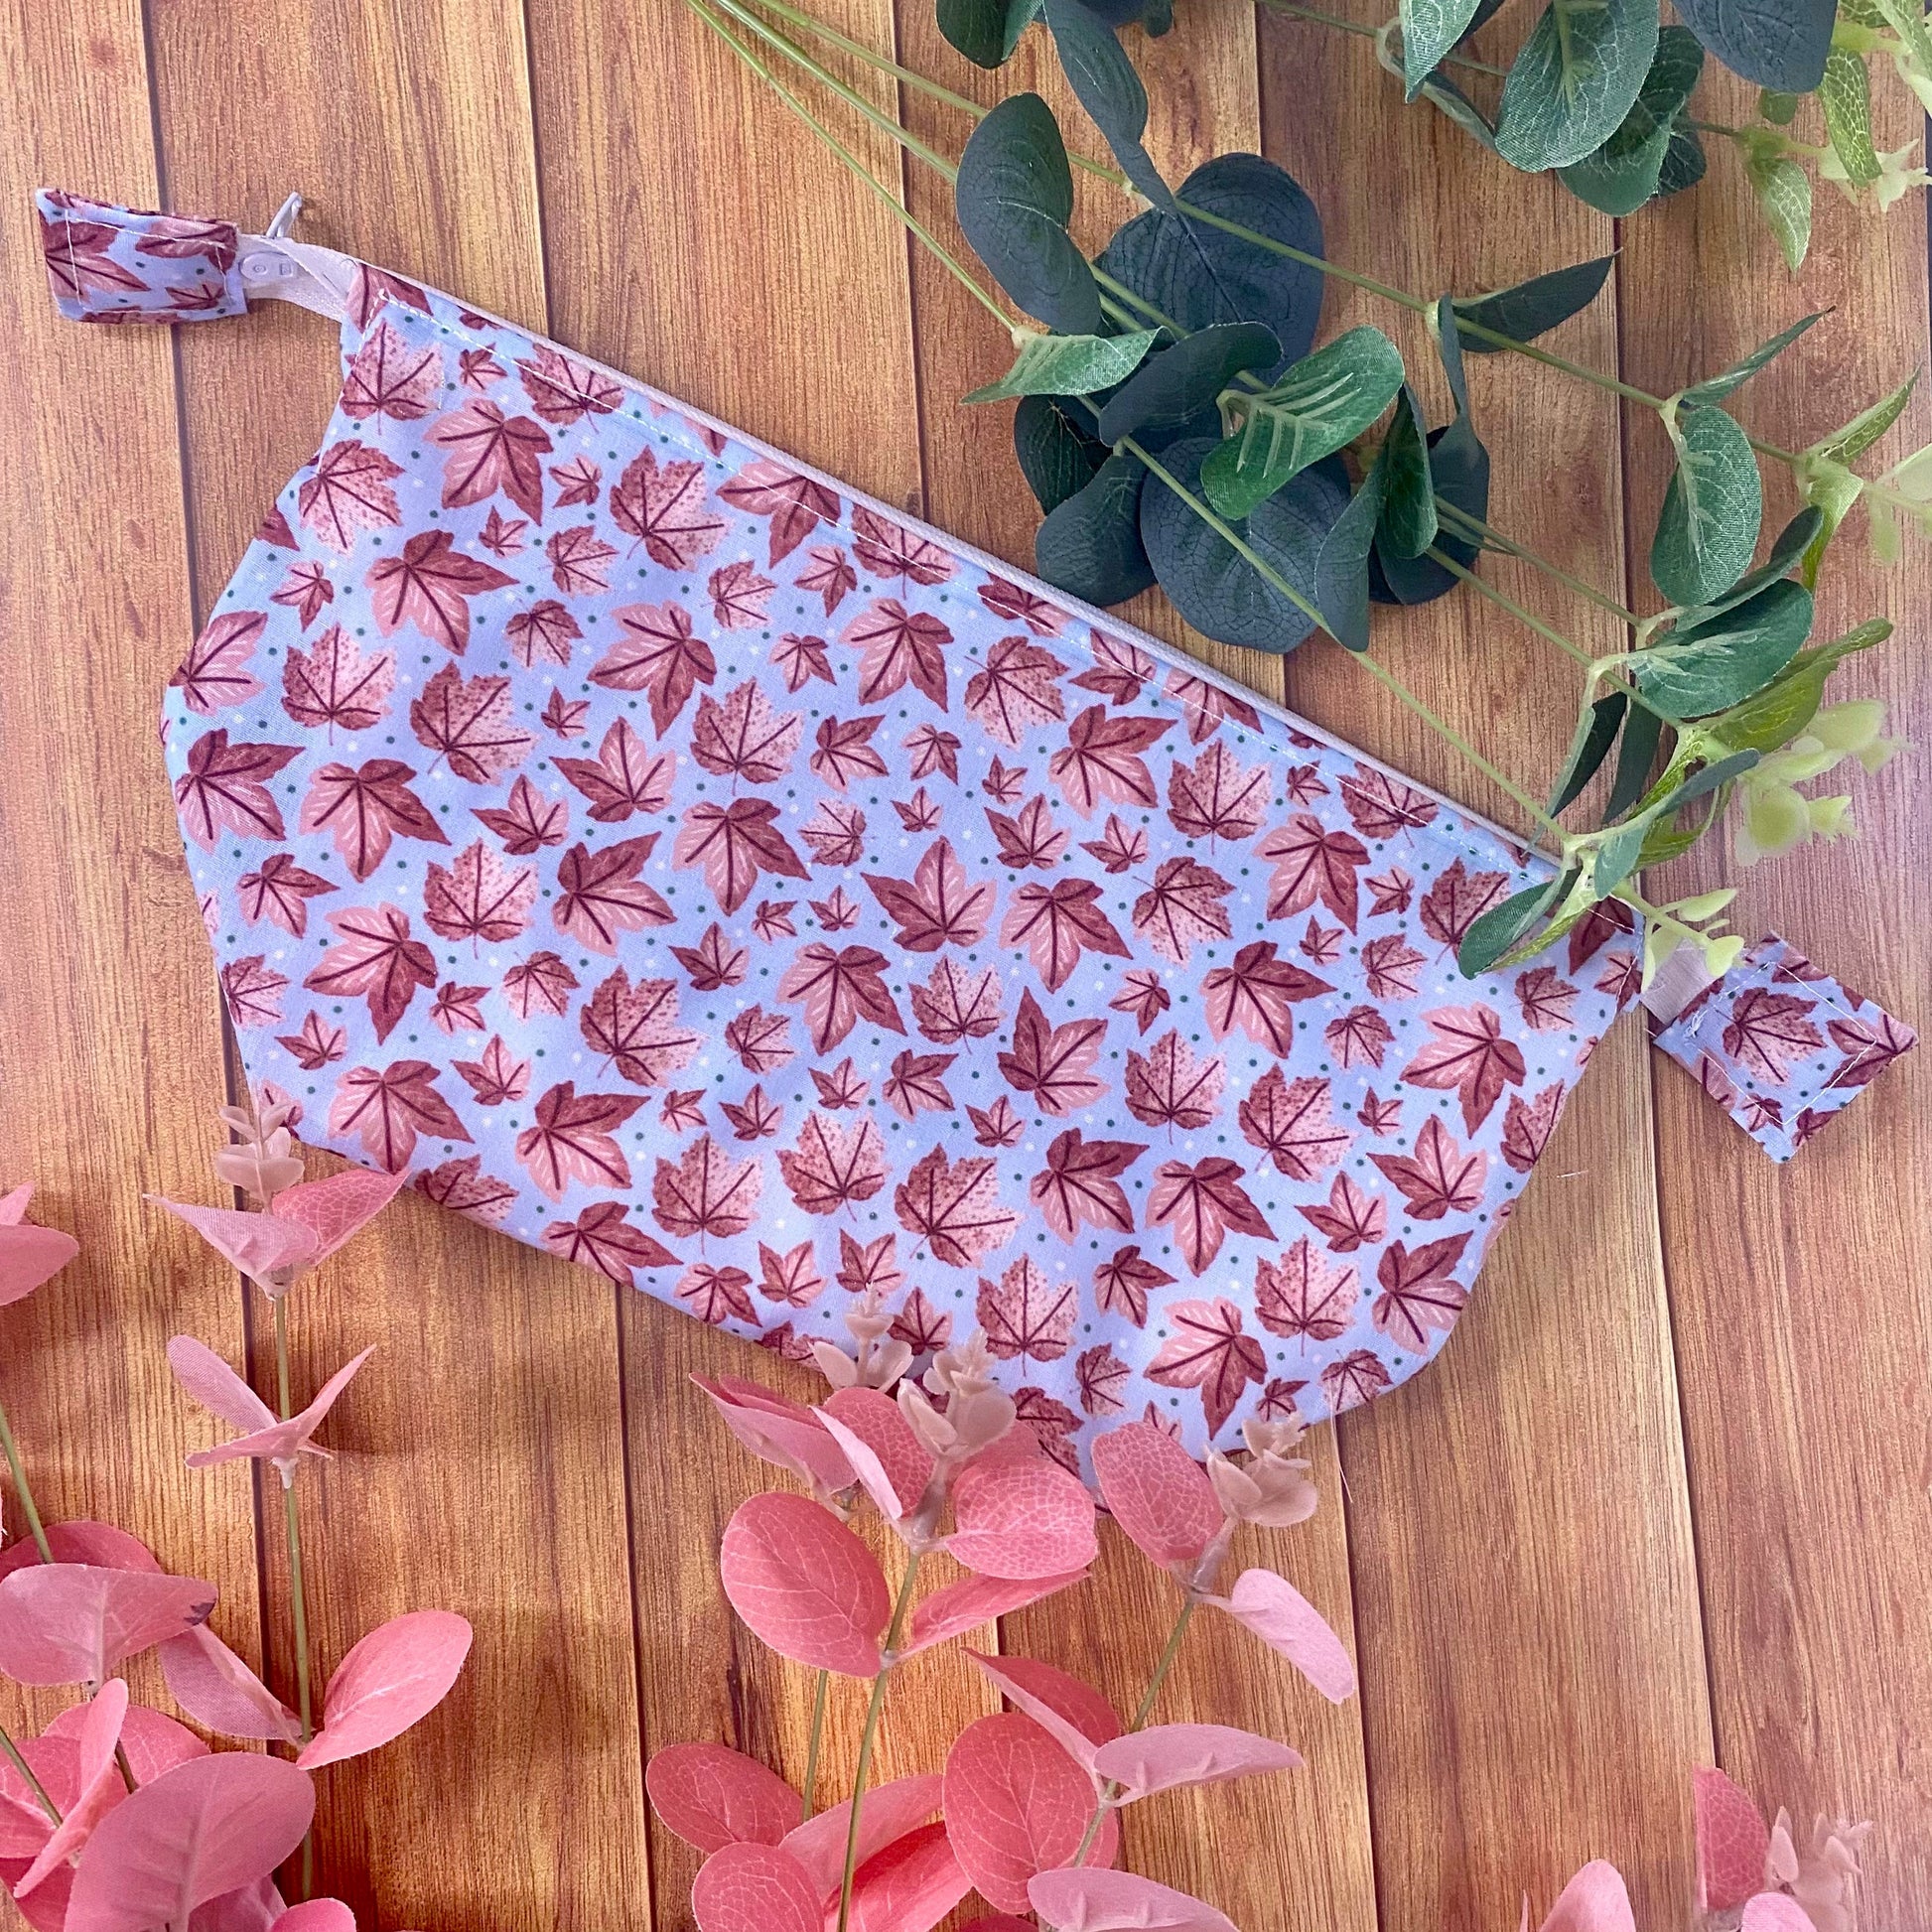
{"x": 1362, "y": 30}
{"x": 21, "y": 1488}
{"x": 1503, "y": 602}
{"x": 812, "y": 1747}
{"x": 1475, "y": 527}
{"x": 298, "y": 1597}
{"x": 26, "y": 1770}
{"x": 868, "y": 1736}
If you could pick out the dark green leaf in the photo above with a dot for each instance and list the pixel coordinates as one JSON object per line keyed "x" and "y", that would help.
{"x": 1634, "y": 757}
{"x": 1623, "y": 174}
{"x": 1787, "y": 549}
{"x": 1447, "y": 97}
{"x": 1448, "y": 346}
{"x": 1616, "y": 858}
{"x": 1683, "y": 163}
{"x": 1341, "y": 568}
{"x": 1319, "y": 406}
{"x": 1575, "y": 79}
{"x": 1596, "y": 729}
{"x": 1846, "y": 96}
{"x": 1865, "y": 429}
{"x": 1711, "y": 510}
{"x": 1459, "y": 470}
{"x": 1531, "y": 308}
{"x": 1780, "y": 109}
{"x": 1719, "y": 664}
{"x": 1068, "y": 366}
{"x": 1499, "y": 928}
{"x": 1058, "y": 457}
{"x": 1179, "y": 382}
{"x": 1160, "y": 256}
{"x": 1776, "y": 44}
{"x": 1431, "y": 29}
{"x": 1717, "y": 387}
{"x": 1409, "y": 524}
{"x": 986, "y": 31}
{"x": 1103, "y": 79}
{"x": 1210, "y": 583}
{"x": 1014, "y": 197}
{"x": 1090, "y": 545}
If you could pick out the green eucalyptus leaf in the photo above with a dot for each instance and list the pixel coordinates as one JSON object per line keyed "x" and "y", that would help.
{"x": 1321, "y": 404}
{"x": 1776, "y": 715}
{"x": 1783, "y": 192}
{"x": 1180, "y": 382}
{"x": 1448, "y": 346}
{"x": 1626, "y": 170}
{"x": 1531, "y": 308}
{"x": 1846, "y": 96}
{"x": 1575, "y": 79}
{"x": 1057, "y": 456}
{"x": 1776, "y": 44}
{"x": 1906, "y": 19}
{"x": 1496, "y": 930}
{"x": 1780, "y": 109}
{"x": 1831, "y": 489}
{"x": 1713, "y": 666}
{"x": 1448, "y": 98}
{"x": 1787, "y": 552}
{"x": 1847, "y": 445}
{"x": 1460, "y": 473}
{"x": 1616, "y": 858}
{"x": 1014, "y": 197}
{"x": 1090, "y": 545}
{"x": 1068, "y": 366}
{"x": 1717, "y": 387}
{"x": 1341, "y": 564}
{"x": 1634, "y": 757}
{"x": 1708, "y": 525}
{"x": 1683, "y": 163}
{"x": 1104, "y": 81}
{"x": 1598, "y": 725}
{"x": 1408, "y": 523}
{"x": 1209, "y": 581}
{"x": 986, "y": 31}
{"x": 1431, "y": 29}
{"x": 1641, "y": 841}
{"x": 1198, "y": 274}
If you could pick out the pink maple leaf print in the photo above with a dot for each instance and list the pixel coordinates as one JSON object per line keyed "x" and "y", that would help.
{"x": 732, "y": 844}
{"x": 739, "y": 596}
{"x": 78, "y": 260}
{"x": 1382, "y": 806}
{"x": 1207, "y": 1350}
{"x": 576, "y": 481}
{"x": 1014, "y": 692}
{"x": 542, "y": 634}
{"x": 706, "y": 1192}
{"x": 388, "y": 376}
{"x": 316, "y": 1044}
{"x": 600, "y": 895}
{"x": 529, "y": 823}
{"x": 1377, "y": 1115}
{"x": 1869, "y": 1043}
{"x": 828, "y": 574}
{"x": 666, "y": 511}
{"x": 333, "y": 683}
{"x": 938, "y": 906}
{"x": 1768, "y": 1033}
{"x": 837, "y": 987}
{"x": 363, "y": 807}
{"x": 369, "y": 287}
{"x": 1321, "y": 944}
{"x": 457, "y": 1009}
{"x": 1438, "y": 1177}
{"x": 1304, "y": 1297}
{"x": 254, "y": 991}
{"x": 1390, "y": 967}
{"x": 280, "y": 890}
{"x": 1141, "y": 995}
{"x": 477, "y": 368}
{"x": 348, "y": 494}
{"x": 833, "y": 1166}
{"x": 478, "y": 896}
{"x": 1018, "y": 606}
{"x": 604, "y": 1237}
{"x": 214, "y": 674}
{"x": 1470, "y": 1056}
{"x": 1182, "y": 909}
{"x": 306, "y": 589}
{"x": 1257, "y": 995}
{"x": 387, "y": 1108}
{"x": 717, "y": 1295}
{"x": 956, "y": 1004}
{"x": 1312, "y": 863}
{"x": 1351, "y": 1218}
{"x": 225, "y": 788}
{"x": 1120, "y": 671}
{"x": 714, "y": 962}
{"x": 496, "y": 1077}
{"x": 1031, "y": 842}
{"x": 563, "y": 390}
{"x": 1025, "y": 1315}
{"x": 916, "y": 1083}
{"x": 954, "y": 1207}
{"x": 1458, "y": 899}
{"x": 489, "y": 451}
{"x": 637, "y": 1027}
{"x": 1080, "y": 1185}
{"x": 795, "y": 504}
{"x": 462, "y": 1186}
{"x": 1201, "y": 1203}
{"x": 1169, "y": 1087}
{"x": 887, "y": 550}
{"x": 657, "y": 654}
{"x": 741, "y": 737}
{"x": 1102, "y": 1378}
{"x": 430, "y": 586}
{"x": 374, "y": 958}
{"x": 1358, "y": 1377}
{"x": 1290, "y": 1120}
{"x": 1417, "y": 1294}
{"x": 1123, "y": 1283}
{"x": 1217, "y": 797}
{"x": 1528, "y": 1125}
{"x": 565, "y": 716}
{"x": 1546, "y": 999}
{"x": 570, "y": 1140}
{"x": 622, "y": 778}
{"x": 1120, "y": 847}
{"x": 1101, "y": 760}
{"x": 1359, "y": 1037}
{"x": 802, "y": 660}
{"x": 897, "y": 647}
{"x": 1054, "y": 1063}
{"x": 1206, "y": 705}
{"x": 1056, "y": 924}
{"x": 542, "y": 984}
{"x": 580, "y": 560}
{"x": 468, "y": 723}
{"x": 1389, "y": 892}
{"x": 793, "y": 1279}
{"x": 846, "y": 751}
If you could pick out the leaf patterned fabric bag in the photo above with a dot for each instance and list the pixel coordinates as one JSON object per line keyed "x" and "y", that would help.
{"x": 698, "y": 871}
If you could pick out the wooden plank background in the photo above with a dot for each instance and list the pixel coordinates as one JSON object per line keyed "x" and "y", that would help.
{"x": 1664, "y": 1500}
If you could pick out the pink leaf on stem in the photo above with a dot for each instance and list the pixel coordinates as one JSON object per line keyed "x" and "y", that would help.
{"x": 73, "y": 1622}
{"x": 954, "y": 1608}
{"x": 909, "y": 1887}
{"x": 889, "y": 1812}
{"x": 29, "y": 1255}
{"x": 1286, "y": 1621}
{"x": 1017, "y": 1805}
{"x": 1074, "y": 1714}
{"x": 337, "y": 1210}
{"x": 755, "y": 1888}
{"x": 712, "y": 1796}
{"x": 398, "y": 1674}
{"x": 1774, "y": 1911}
{"x": 1119, "y": 1902}
{"x": 151, "y": 1742}
{"x": 23, "y": 1824}
{"x": 315, "y": 1915}
{"x": 204, "y": 1829}
{"x": 999, "y": 1922}
{"x": 1166, "y": 1755}
{"x": 875, "y": 1420}
{"x": 220, "y": 1692}
{"x": 1732, "y": 1842}
{"x": 100, "y": 1787}
{"x": 271, "y": 1252}
{"x": 100, "y": 1544}
{"x": 1022, "y": 1517}
{"x": 248, "y": 1909}
{"x": 217, "y": 1387}
{"x": 1157, "y": 1493}
{"x": 1595, "y": 1900}
{"x": 779, "y": 1430}
{"x": 805, "y": 1584}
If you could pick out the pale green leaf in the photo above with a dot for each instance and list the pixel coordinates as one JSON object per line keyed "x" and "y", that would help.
{"x": 1430, "y": 29}
{"x": 1068, "y": 366}
{"x": 1845, "y": 95}
{"x": 1708, "y": 531}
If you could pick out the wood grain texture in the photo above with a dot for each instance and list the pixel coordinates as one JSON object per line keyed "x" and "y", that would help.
{"x": 1665, "y": 1495}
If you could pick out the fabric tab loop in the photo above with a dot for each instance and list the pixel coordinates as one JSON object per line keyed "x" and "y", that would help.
{"x": 112, "y": 264}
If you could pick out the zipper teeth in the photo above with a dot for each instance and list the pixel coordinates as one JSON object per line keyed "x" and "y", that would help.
{"x": 1532, "y": 862}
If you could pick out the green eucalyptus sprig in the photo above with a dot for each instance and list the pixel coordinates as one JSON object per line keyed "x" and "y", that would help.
{"x": 1177, "y": 424}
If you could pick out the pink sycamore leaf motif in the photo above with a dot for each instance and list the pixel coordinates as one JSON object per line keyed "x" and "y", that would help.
{"x": 1352, "y": 1218}
{"x": 1014, "y": 691}
{"x": 387, "y": 1108}
{"x": 741, "y": 737}
{"x": 1458, "y": 899}
{"x": 954, "y": 1005}
{"x": 1416, "y": 1293}
{"x": 897, "y": 647}
{"x": 529, "y": 823}
{"x": 570, "y": 1140}
{"x": 580, "y": 561}
{"x": 888, "y": 551}
{"x": 1768, "y": 1033}
{"x": 1303, "y": 1298}
{"x": 953, "y": 1208}
{"x": 332, "y": 683}
{"x": 1121, "y": 671}
{"x": 306, "y": 589}
{"x": 1528, "y": 1125}
{"x": 1027, "y": 1317}
{"x": 1358, "y": 1377}
{"x": 665, "y": 510}
{"x": 624, "y": 777}
{"x": 1183, "y": 907}
{"x": 1312, "y": 863}
{"x": 938, "y": 906}
{"x": 392, "y": 1678}
{"x": 1359, "y": 1037}
{"x": 496, "y": 1078}
{"x": 375, "y": 958}
{"x": 254, "y": 991}
{"x": 739, "y": 596}
{"x": 1381, "y": 807}
{"x": 350, "y": 493}
{"x": 805, "y": 1584}
{"x": 1019, "y": 605}
{"x": 1216, "y": 797}
{"x": 795, "y": 504}
{"x": 1169, "y": 1087}
{"x": 731, "y": 844}
{"x": 388, "y": 376}
{"x": 225, "y": 788}
{"x": 543, "y": 634}
{"x": 1256, "y": 994}
{"x": 1207, "y": 1350}
{"x": 1439, "y": 1177}
{"x": 1869, "y": 1043}
{"x": 829, "y": 574}
{"x": 602, "y": 1237}
{"x": 1054, "y": 1063}
{"x": 218, "y": 1389}
{"x": 837, "y": 988}
{"x": 469, "y": 722}
{"x": 492, "y": 450}
{"x": 657, "y": 654}
{"x": 600, "y": 895}
{"x": 215, "y": 673}
{"x": 478, "y": 898}
{"x": 1056, "y": 924}
{"x": 1468, "y": 1056}
{"x": 362, "y": 808}
{"x": 1101, "y": 760}
{"x": 1079, "y": 1185}
{"x": 430, "y": 586}
{"x": 1290, "y": 1122}
{"x": 1208, "y": 704}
